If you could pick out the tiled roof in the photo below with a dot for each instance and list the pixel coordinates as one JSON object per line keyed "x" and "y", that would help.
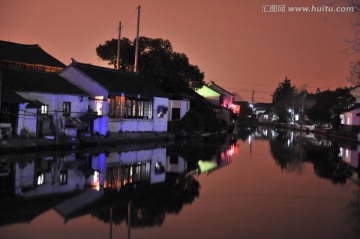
{"x": 43, "y": 82}
{"x": 11, "y": 96}
{"x": 117, "y": 81}
{"x": 216, "y": 87}
{"x": 31, "y": 54}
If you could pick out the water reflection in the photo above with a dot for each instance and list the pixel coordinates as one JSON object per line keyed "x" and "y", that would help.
{"x": 336, "y": 161}
{"x": 154, "y": 180}
{"x": 139, "y": 186}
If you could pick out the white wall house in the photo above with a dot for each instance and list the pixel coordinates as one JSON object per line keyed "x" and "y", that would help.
{"x": 351, "y": 117}
{"x": 125, "y": 102}
{"x": 52, "y": 103}
{"x": 28, "y": 69}
{"x": 219, "y": 97}
{"x": 178, "y": 108}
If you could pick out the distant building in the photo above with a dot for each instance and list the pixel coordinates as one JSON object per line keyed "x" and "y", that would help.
{"x": 219, "y": 97}
{"x": 355, "y": 91}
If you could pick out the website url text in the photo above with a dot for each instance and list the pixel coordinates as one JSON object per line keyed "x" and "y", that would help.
{"x": 313, "y": 8}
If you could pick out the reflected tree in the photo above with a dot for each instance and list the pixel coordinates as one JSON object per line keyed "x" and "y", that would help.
{"x": 150, "y": 209}
{"x": 289, "y": 153}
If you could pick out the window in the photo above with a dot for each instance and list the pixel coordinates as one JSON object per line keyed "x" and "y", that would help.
{"x": 66, "y": 108}
{"x": 40, "y": 179}
{"x": 44, "y": 109}
{"x": 175, "y": 114}
{"x": 121, "y": 107}
{"x": 63, "y": 177}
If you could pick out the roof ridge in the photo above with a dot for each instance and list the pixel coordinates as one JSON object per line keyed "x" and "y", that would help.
{"x": 21, "y": 44}
{"x": 75, "y": 63}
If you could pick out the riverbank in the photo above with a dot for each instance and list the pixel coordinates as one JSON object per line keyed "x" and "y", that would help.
{"x": 51, "y": 143}
{"x": 333, "y": 134}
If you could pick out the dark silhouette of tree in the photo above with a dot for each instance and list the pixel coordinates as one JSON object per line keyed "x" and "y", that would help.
{"x": 330, "y": 104}
{"x": 283, "y": 100}
{"x": 158, "y": 63}
{"x": 284, "y": 91}
{"x": 149, "y": 208}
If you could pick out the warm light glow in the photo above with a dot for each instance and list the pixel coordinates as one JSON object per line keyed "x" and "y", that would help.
{"x": 22, "y": 65}
{"x": 96, "y": 181}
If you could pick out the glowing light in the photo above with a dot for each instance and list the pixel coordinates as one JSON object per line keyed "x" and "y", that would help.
{"x": 40, "y": 179}
{"x": 96, "y": 181}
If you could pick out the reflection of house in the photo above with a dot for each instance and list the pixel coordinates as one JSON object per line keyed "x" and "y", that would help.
{"x": 123, "y": 99}
{"x": 48, "y": 176}
{"x": 219, "y": 160}
{"x": 134, "y": 167}
{"x": 219, "y": 97}
{"x": 176, "y": 164}
{"x": 351, "y": 157}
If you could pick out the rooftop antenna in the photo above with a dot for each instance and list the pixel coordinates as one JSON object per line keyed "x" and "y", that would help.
{"x": 118, "y": 48}
{"x": 137, "y": 41}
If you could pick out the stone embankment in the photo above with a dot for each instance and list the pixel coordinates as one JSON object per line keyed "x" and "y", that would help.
{"x": 50, "y": 143}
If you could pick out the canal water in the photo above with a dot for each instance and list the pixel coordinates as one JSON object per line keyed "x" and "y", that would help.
{"x": 259, "y": 183}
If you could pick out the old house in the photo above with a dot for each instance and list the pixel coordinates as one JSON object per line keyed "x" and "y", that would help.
{"x": 36, "y": 101}
{"x": 219, "y": 97}
{"x": 178, "y": 107}
{"x": 125, "y": 102}
{"x": 53, "y": 107}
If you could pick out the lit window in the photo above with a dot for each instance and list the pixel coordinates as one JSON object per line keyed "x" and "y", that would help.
{"x": 44, "y": 109}
{"x": 63, "y": 177}
{"x": 40, "y": 179}
{"x": 121, "y": 107}
{"x": 159, "y": 168}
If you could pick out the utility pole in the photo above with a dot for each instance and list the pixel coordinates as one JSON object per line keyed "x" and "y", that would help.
{"x": 1, "y": 91}
{"x": 253, "y": 97}
{"x": 118, "y": 48}
{"x": 137, "y": 41}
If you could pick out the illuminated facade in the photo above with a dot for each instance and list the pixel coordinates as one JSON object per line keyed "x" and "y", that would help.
{"x": 220, "y": 97}
{"x": 125, "y": 102}
{"x": 36, "y": 100}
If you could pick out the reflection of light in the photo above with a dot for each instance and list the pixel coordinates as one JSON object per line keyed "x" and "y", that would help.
{"x": 250, "y": 138}
{"x": 231, "y": 150}
{"x": 96, "y": 180}
{"x": 265, "y": 132}
{"x": 341, "y": 152}
{"x": 226, "y": 155}
{"x": 205, "y": 166}
{"x": 288, "y": 142}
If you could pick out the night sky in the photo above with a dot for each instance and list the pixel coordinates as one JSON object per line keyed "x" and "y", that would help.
{"x": 239, "y": 44}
